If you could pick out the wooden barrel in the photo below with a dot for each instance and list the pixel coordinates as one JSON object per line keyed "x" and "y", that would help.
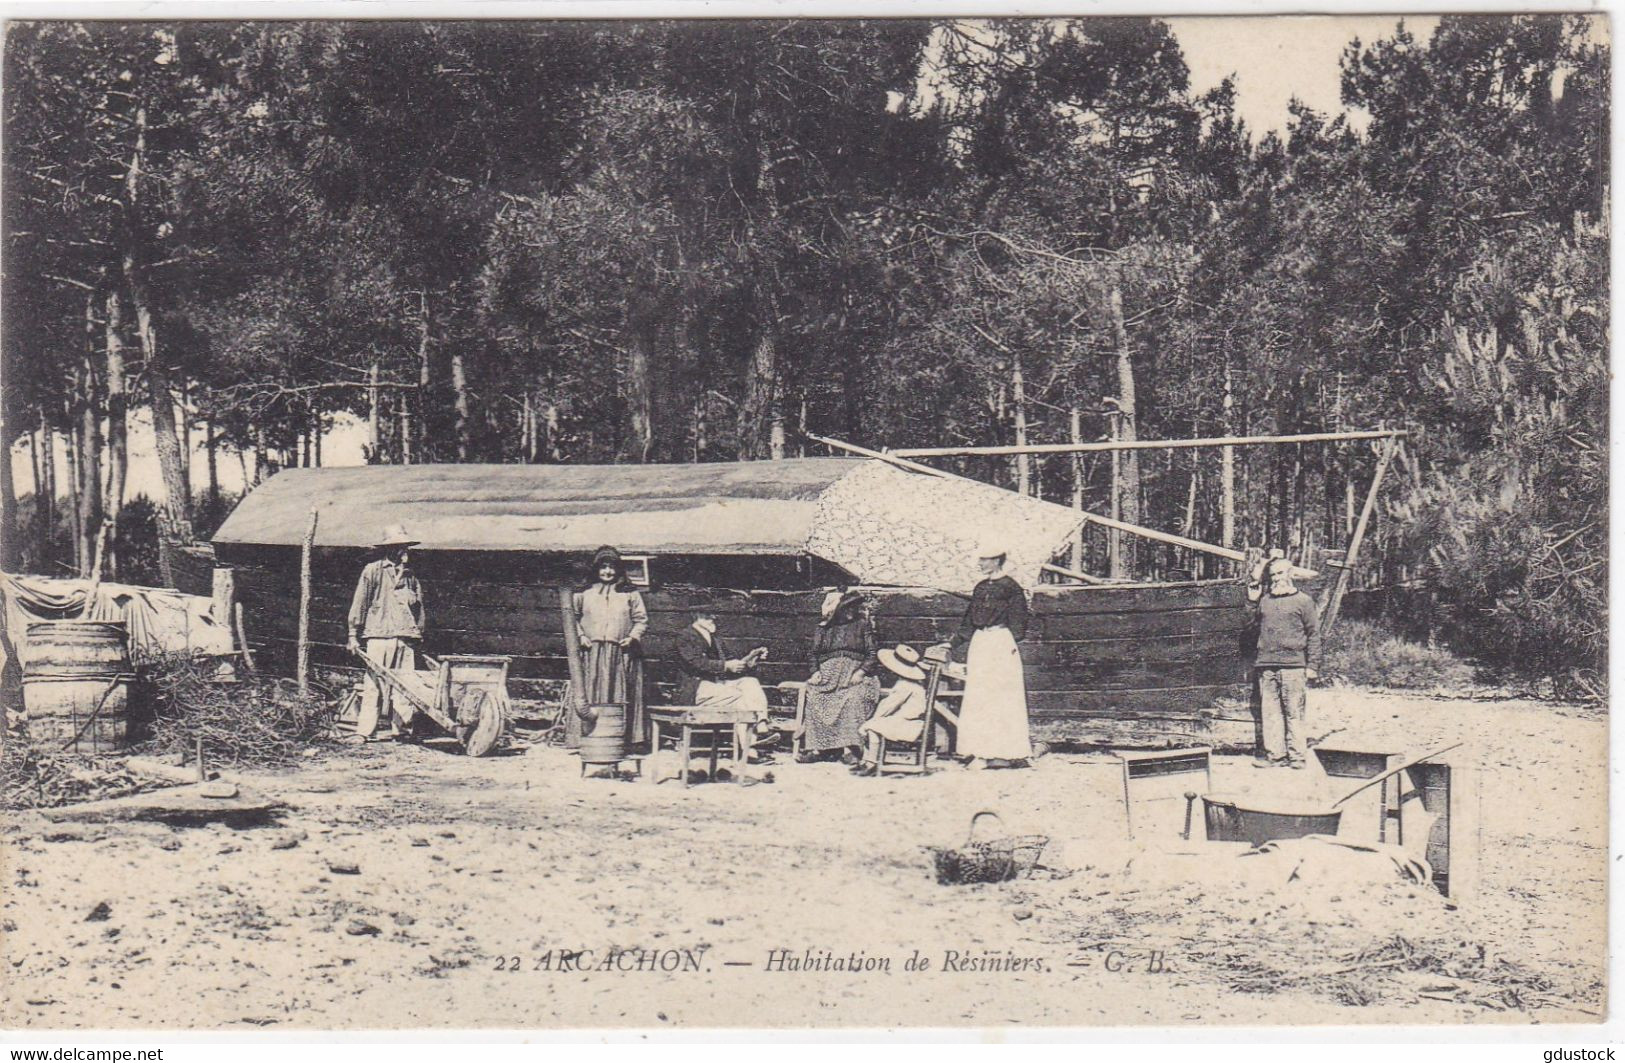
{"x": 605, "y": 742}
{"x": 76, "y": 684}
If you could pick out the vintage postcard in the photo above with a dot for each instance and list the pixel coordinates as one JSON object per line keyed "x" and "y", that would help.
{"x": 659, "y": 524}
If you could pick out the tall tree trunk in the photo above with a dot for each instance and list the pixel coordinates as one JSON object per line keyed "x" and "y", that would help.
{"x": 759, "y": 405}
{"x": 183, "y": 414}
{"x": 1227, "y": 468}
{"x": 1299, "y": 547}
{"x": 11, "y": 546}
{"x": 48, "y": 496}
{"x": 260, "y": 459}
{"x": 373, "y": 435}
{"x": 636, "y": 384}
{"x": 699, "y": 425}
{"x": 118, "y": 451}
{"x": 1130, "y": 466}
{"x": 316, "y": 439}
{"x": 90, "y": 471}
{"x": 211, "y": 451}
{"x": 175, "y": 519}
{"x": 90, "y": 434}
{"x": 177, "y": 503}
{"x": 852, "y": 398}
{"x": 459, "y": 403}
{"x": 414, "y": 429}
{"x": 550, "y": 421}
{"x": 70, "y": 442}
{"x": 1190, "y": 500}
{"x": 36, "y": 475}
{"x": 775, "y": 432}
{"x": 527, "y": 429}
{"x": 1018, "y": 398}
{"x": 403, "y": 421}
{"x": 674, "y": 381}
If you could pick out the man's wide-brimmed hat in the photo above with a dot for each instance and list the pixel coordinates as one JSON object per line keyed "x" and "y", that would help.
{"x": 904, "y": 660}
{"x": 395, "y": 535}
{"x": 837, "y": 600}
{"x": 606, "y": 554}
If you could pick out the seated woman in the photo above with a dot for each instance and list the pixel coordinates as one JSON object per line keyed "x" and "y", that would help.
{"x": 844, "y": 687}
{"x": 900, "y": 717}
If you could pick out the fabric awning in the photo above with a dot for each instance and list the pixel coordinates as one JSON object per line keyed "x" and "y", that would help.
{"x": 889, "y": 526}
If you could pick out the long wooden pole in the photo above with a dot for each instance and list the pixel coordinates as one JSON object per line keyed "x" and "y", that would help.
{"x": 890, "y": 457}
{"x": 1334, "y": 601}
{"x": 1141, "y": 444}
{"x": 1082, "y": 577}
{"x": 305, "y": 550}
{"x": 1164, "y": 537}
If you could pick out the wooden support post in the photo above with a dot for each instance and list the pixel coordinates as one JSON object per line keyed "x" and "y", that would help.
{"x": 1075, "y": 430}
{"x": 576, "y": 703}
{"x": 1114, "y": 543}
{"x": 225, "y": 594}
{"x": 1334, "y": 599}
{"x": 305, "y": 550}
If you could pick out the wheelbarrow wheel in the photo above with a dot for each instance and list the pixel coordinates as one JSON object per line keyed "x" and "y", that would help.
{"x": 483, "y": 736}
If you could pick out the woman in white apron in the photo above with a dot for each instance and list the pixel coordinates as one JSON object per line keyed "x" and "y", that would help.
{"x": 993, "y": 715}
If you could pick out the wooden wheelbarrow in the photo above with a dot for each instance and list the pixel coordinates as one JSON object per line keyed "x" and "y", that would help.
{"x": 467, "y": 696}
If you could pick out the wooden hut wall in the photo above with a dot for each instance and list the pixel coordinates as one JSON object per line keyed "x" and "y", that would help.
{"x": 1111, "y": 665}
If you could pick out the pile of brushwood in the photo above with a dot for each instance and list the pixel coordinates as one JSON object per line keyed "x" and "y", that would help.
{"x": 255, "y": 721}
{"x": 31, "y": 777}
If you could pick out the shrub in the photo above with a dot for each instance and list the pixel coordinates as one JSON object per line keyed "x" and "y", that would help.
{"x": 1368, "y": 654}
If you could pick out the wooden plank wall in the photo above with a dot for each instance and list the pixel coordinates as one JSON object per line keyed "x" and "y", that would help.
{"x": 1105, "y": 665}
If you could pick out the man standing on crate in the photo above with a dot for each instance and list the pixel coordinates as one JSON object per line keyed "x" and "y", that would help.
{"x": 1288, "y": 647}
{"x": 386, "y": 624}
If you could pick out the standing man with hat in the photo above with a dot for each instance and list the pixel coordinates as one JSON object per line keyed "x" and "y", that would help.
{"x": 386, "y": 624}
{"x": 1288, "y": 650}
{"x": 611, "y": 619}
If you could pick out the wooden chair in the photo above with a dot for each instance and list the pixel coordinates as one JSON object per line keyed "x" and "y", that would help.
{"x": 917, "y": 754}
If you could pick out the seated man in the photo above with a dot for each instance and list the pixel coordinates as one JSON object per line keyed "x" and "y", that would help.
{"x": 713, "y": 680}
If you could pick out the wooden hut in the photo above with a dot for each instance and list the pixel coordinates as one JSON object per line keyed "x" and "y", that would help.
{"x": 759, "y": 542}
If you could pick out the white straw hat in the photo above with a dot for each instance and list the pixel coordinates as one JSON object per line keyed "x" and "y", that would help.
{"x": 991, "y": 548}
{"x": 395, "y": 535}
{"x": 904, "y": 660}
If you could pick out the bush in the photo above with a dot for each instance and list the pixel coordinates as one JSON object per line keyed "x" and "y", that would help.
{"x": 1370, "y": 655}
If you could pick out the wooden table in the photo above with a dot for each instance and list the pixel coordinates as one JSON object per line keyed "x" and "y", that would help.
{"x": 690, "y": 720}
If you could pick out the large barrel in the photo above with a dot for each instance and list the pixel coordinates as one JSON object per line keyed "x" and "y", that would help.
{"x": 76, "y": 684}
{"x": 605, "y": 743}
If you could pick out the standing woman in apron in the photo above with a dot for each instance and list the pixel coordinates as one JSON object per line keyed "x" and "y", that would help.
{"x": 993, "y": 715}
{"x": 610, "y": 621}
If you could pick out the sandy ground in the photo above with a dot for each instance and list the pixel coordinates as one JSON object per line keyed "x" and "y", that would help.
{"x": 477, "y": 878}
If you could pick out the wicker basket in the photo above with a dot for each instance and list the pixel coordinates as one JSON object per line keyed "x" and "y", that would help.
{"x": 997, "y": 859}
